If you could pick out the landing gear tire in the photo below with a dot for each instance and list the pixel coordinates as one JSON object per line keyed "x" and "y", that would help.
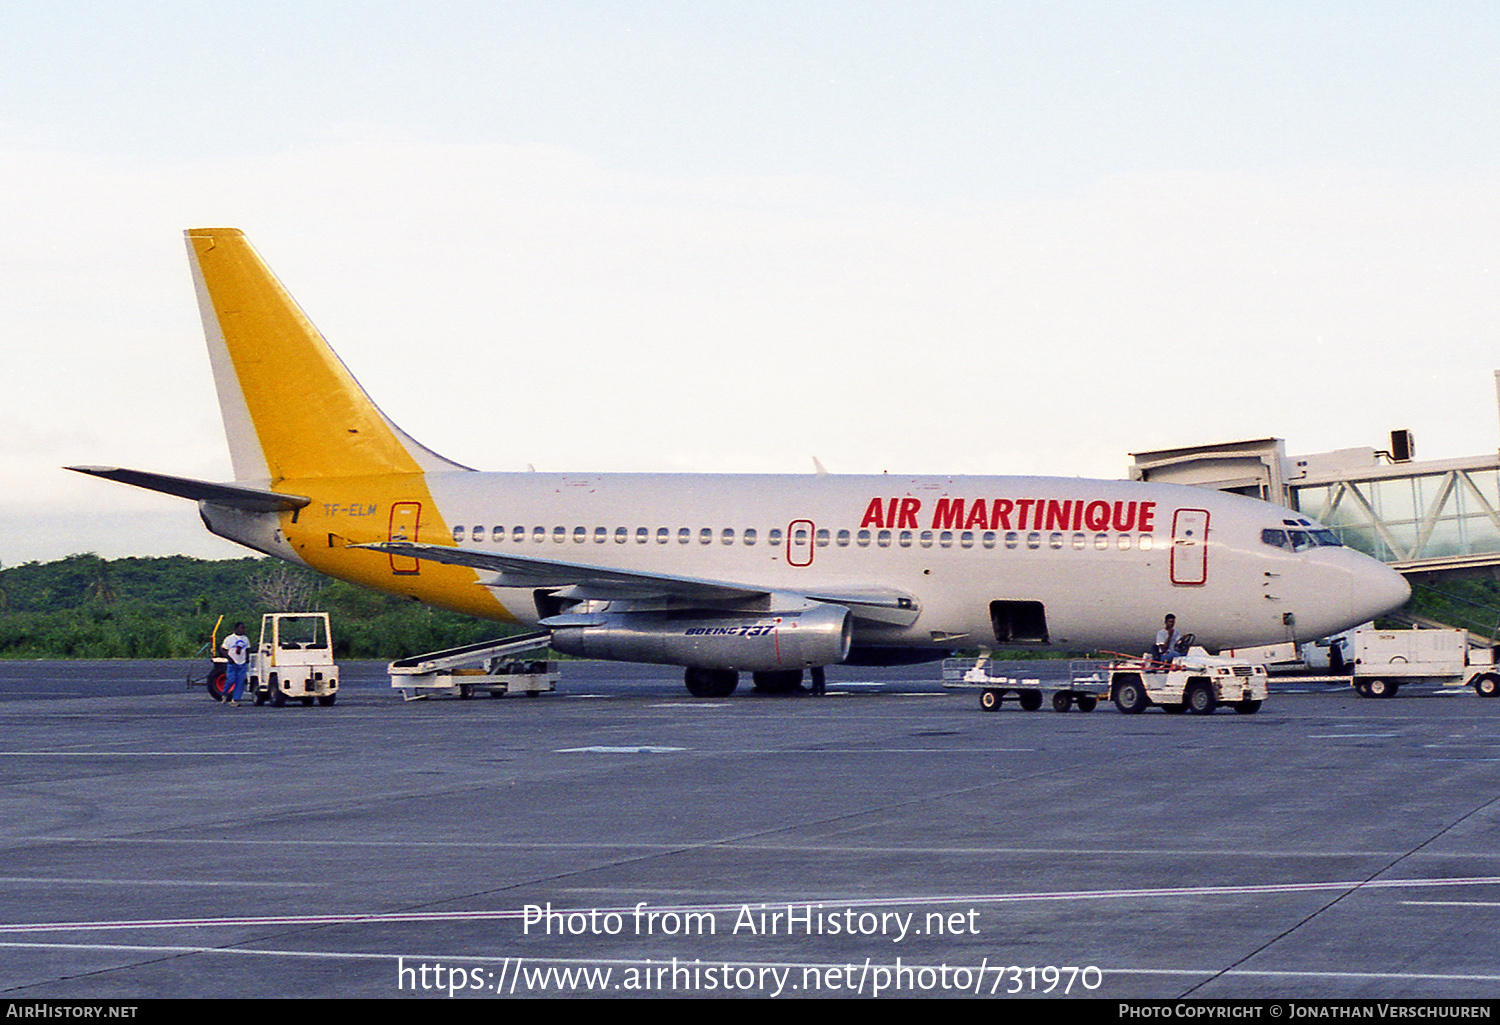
{"x": 1249, "y": 707}
{"x": 1087, "y": 702}
{"x": 1130, "y": 697}
{"x": 1380, "y": 689}
{"x": 782, "y": 682}
{"x": 1030, "y": 700}
{"x": 711, "y": 683}
{"x": 1200, "y": 698}
{"x": 989, "y": 700}
{"x": 1062, "y": 701}
{"x": 1487, "y": 686}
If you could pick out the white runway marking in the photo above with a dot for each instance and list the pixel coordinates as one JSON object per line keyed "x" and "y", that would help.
{"x": 372, "y": 955}
{"x": 127, "y": 754}
{"x": 174, "y": 883}
{"x": 861, "y": 902}
{"x": 644, "y": 749}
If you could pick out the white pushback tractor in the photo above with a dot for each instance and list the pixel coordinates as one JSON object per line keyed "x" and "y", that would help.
{"x": 1196, "y": 682}
{"x": 294, "y": 660}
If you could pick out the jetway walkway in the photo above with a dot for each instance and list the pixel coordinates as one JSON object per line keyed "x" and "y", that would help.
{"x": 1429, "y": 520}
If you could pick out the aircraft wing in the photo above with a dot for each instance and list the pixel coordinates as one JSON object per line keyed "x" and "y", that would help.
{"x": 235, "y": 496}
{"x": 610, "y": 583}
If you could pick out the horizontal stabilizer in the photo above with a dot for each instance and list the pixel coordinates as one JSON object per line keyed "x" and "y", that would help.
{"x": 234, "y": 496}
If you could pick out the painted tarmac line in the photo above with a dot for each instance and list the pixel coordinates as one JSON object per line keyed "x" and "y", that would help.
{"x": 371, "y": 955}
{"x": 888, "y": 902}
{"x": 752, "y": 844}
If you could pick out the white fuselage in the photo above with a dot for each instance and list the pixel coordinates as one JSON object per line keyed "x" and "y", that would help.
{"x": 1101, "y": 562}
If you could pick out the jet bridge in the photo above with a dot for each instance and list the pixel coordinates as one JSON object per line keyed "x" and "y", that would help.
{"x": 490, "y": 666}
{"x": 1428, "y": 520}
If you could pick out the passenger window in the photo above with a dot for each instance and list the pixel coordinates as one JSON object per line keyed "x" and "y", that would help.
{"x": 518, "y": 533}
{"x": 538, "y": 534}
{"x": 727, "y": 536}
{"x": 925, "y": 540}
{"x": 662, "y": 535}
{"x": 1145, "y": 542}
{"x": 559, "y": 534}
{"x": 1012, "y": 539}
{"x": 945, "y": 539}
{"x": 773, "y": 537}
{"x": 580, "y": 535}
{"x": 988, "y": 538}
{"x": 1056, "y": 540}
{"x": 842, "y": 538}
{"x": 705, "y": 535}
{"x": 497, "y": 533}
{"x": 684, "y": 535}
{"x": 1034, "y": 540}
{"x": 1078, "y": 542}
{"x": 883, "y": 539}
{"x": 458, "y": 534}
{"x": 749, "y": 536}
{"x": 800, "y": 537}
{"x": 966, "y": 539}
{"x": 904, "y": 539}
{"x": 1101, "y": 541}
{"x": 822, "y": 538}
{"x": 862, "y": 539}
{"x": 642, "y": 535}
{"x": 1123, "y": 543}
{"x": 600, "y": 535}
{"x": 622, "y": 534}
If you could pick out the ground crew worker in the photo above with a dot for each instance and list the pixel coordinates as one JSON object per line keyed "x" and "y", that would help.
{"x": 237, "y": 647}
{"x": 1166, "y": 641}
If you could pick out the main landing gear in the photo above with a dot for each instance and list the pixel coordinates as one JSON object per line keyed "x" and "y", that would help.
{"x": 720, "y": 683}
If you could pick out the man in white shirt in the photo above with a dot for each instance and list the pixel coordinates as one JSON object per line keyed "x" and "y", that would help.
{"x": 1166, "y": 641}
{"x": 237, "y": 648}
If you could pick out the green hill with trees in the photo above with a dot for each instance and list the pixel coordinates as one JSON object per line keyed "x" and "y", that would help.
{"x": 87, "y": 607}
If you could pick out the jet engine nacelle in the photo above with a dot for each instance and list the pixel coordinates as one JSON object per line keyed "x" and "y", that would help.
{"x": 747, "y": 642}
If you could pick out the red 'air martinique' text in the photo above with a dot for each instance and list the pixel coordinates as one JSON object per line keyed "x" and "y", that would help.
{"x": 1012, "y": 514}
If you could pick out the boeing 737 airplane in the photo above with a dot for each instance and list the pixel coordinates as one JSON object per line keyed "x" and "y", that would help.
{"x": 724, "y": 574}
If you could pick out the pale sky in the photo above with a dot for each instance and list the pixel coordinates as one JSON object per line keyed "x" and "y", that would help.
{"x": 939, "y": 237}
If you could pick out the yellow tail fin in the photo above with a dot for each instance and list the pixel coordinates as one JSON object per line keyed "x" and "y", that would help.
{"x": 291, "y": 408}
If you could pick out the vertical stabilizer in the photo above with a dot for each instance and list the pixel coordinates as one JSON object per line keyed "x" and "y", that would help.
{"x": 291, "y": 408}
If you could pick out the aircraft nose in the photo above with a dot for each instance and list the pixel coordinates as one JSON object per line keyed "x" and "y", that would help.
{"x": 1378, "y": 590}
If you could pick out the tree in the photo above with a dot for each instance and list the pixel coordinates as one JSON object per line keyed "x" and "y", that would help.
{"x": 283, "y": 588}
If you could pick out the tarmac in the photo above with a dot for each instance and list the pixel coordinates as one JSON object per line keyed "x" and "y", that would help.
{"x": 621, "y": 838}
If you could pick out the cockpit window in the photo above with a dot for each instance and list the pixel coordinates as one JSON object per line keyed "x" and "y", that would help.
{"x": 1327, "y": 538}
{"x": 1301, "y": 541}
{"x": 1274, "y": 538}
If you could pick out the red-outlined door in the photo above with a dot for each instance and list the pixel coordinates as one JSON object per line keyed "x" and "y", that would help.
{"x": 406, "y": 518}
{"x": 799, "y": 543}
{"x": 1190, "y": 546}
